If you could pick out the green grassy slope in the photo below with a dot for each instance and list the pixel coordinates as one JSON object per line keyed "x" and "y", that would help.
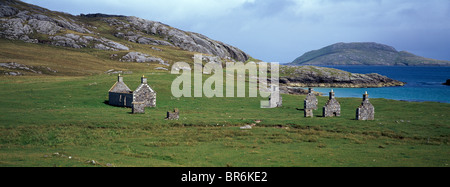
{"x": 80, "y": 62}
{"x": 67, "y": 115}
{"x": 61, "y": 119}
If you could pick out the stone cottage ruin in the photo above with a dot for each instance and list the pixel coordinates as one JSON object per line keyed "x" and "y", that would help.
{"x": 120, "y": 94}
{"x": 275, "y": 99}
{"x": 144, "y": 96}
{"x": 310, "y": 103}
{"x": 333, "y": 107}
{"x": 366, "y": 111}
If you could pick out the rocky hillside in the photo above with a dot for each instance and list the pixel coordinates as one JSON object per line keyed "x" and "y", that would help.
{"x": 33, "y": 24}
{"x": 311, "y": 76}
{"x": 364, "y": 54}
{"x": 37, "y": 41}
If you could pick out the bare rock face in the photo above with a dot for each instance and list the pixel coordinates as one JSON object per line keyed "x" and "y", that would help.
{"x": 138, "y": 38}
{"x": 15, "y": 29}
{"x": 21, "y": 21}
{"x": 77, "y": 41}
{"x": 6, "y": 11}
{"x": 311, "y": 76}
{"x": 141, "y": 58}
{"x": 185, "y": 40}
{"x": 16, "y": 69}
{"x": 44, "y": 27}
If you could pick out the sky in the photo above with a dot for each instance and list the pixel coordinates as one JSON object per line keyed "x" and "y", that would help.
{"x": 282, "y": 30}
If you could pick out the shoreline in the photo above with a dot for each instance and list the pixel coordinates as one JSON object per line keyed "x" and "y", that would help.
{"x": 323, "y": 94}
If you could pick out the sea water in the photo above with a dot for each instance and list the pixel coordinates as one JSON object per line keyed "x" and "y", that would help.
{"x": 423, "y": 83}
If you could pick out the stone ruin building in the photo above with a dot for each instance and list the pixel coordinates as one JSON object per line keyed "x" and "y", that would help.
{"x": 333, "y": 107}
{"x": 175, "y": 115}
{"x": 366, "y": 111}
{"x": 275, "y": 99}
{"x": 122, "y": 96}
{"x": 138, "y": 108}
{"x": 310, "y": 103}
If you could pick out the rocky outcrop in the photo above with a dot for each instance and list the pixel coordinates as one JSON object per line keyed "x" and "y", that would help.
{"x": 6, "y": 11}
{"x": 16, "y": 69}
{"x": 447, "y": 83}
{"x": 44, "y": 27}
{"x": 296, "y": 91}
{"x": 141, "y": 58}
{"x": 138, "y": 38}
{"x": 171, "y": 36}
{"x": 16, "y": 29}
{"x": 311, "y": 76}
{"x": 31, "y": 24}
{"x": 77, "y": 41}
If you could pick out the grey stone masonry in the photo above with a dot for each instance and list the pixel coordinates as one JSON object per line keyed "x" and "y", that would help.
{"x": 309, "y": 112}
{"x": 275, "y": 99}
{"x": 366, "y": 111}
{"x": 121, "y": 95}
{"x": 144, "y": 93}
{"x": 333, "y": 107}
{"x": 138, "y": 107}
{"x": 175, "y": 115}
{"x": 311, "y": 101}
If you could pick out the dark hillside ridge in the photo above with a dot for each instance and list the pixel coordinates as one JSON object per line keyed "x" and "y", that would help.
{"x": 100, "y": 15}
{"x": 364, "y": 53}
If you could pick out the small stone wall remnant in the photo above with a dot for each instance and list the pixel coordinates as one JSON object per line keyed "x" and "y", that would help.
{"x": 175, "y": 115}
{"x": 366, "y": 111}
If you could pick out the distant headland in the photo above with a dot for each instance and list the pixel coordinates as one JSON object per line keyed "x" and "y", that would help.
{"x": 364, "y": 53}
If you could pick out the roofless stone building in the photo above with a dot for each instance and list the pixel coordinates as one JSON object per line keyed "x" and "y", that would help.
{"x": 275, "y": 99}
{"x": 333, "y": 107}
{"x": 144, "y": 96}
{"x": 310, "y": 103}
{"x": 366, "y": 111}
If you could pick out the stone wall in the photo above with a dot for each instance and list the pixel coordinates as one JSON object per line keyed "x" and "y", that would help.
{"x": 309, "y": 112}
{"x": 366, "y": 111}
{"x": 311, "y": 101}
{"x": 175, "y": 115}
{"x": 138, "y": 108}
{"x": 145, "y": 95}
{"x": 332, "y": 108}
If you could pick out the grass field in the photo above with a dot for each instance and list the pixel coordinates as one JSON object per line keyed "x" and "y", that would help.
{"x": 64, "y": 121}
{"x": 61, "y": 118}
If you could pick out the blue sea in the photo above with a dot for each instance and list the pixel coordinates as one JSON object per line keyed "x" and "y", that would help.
{"x": 423, "y": 83}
